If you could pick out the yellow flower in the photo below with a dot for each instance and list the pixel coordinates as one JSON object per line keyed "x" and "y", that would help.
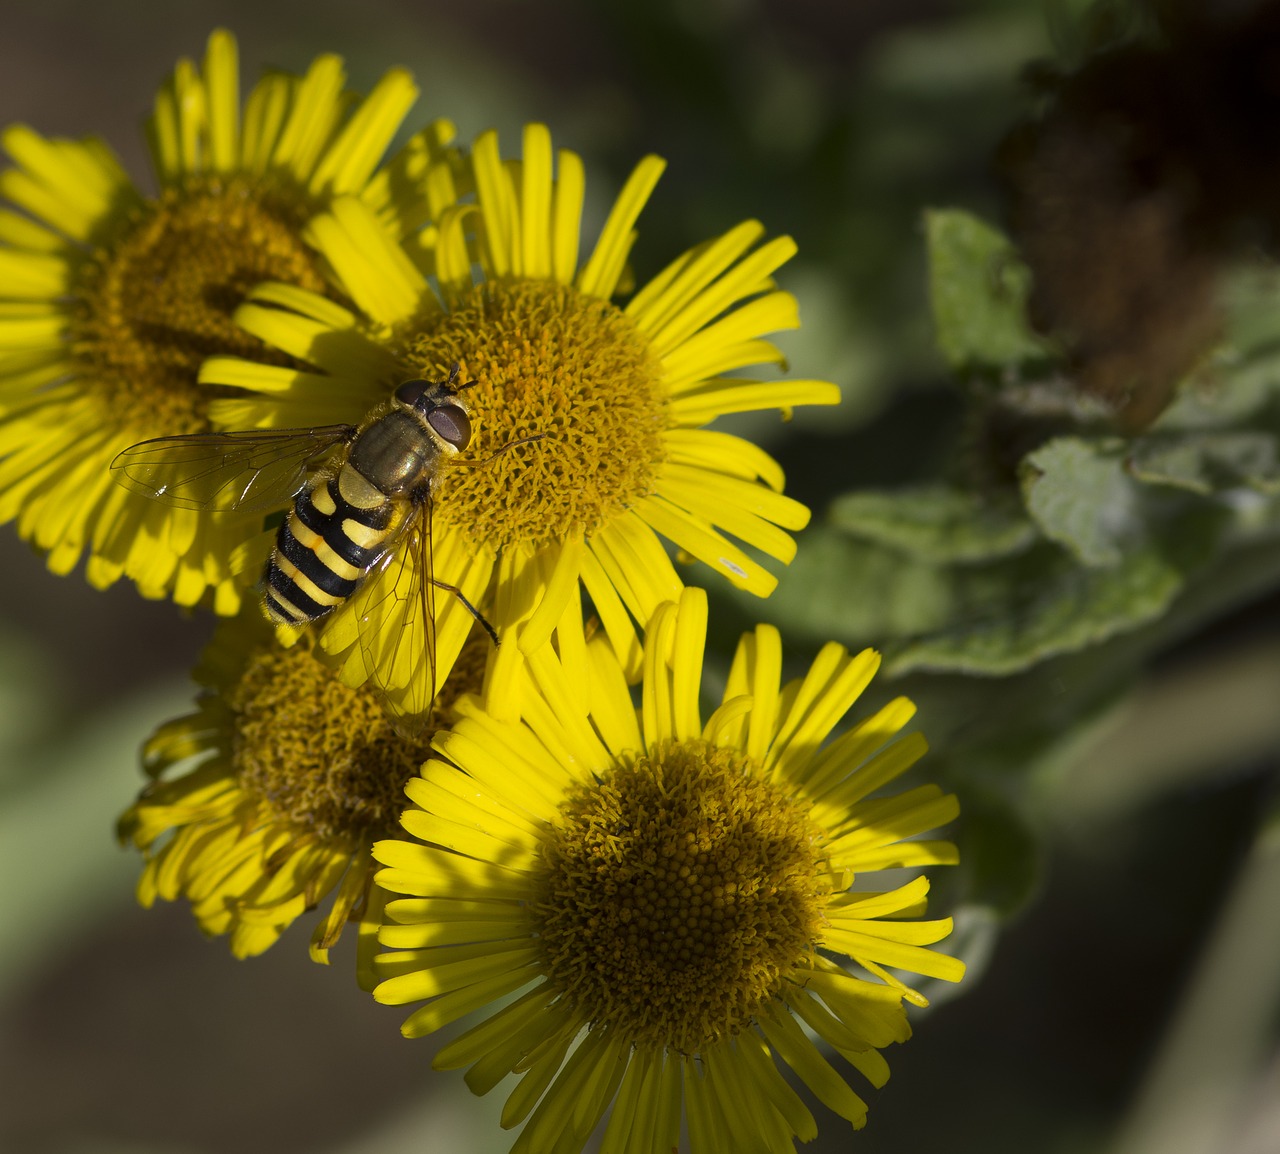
{"x": 618, "y": 394}
{"x": 110, "y": 300}
{"x": 673, "y": 897}
{"x": 297, "y": 775}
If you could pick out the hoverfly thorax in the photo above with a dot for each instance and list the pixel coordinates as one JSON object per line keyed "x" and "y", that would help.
{"x": 399, "y": 452}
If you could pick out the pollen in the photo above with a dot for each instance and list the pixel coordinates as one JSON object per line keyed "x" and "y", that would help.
{"x": 160, "y": 300}
{"x": 677, "y": 895}
{"x": 322, "y": 757}
{"x": 569, "y": 369}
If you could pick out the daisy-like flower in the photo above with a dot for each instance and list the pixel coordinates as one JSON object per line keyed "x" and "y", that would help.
{"x": 673, "y": 897}
{"x": 284, "y": 778}
{"x": 110, "y": 299}
{"x": 618, "y": 394}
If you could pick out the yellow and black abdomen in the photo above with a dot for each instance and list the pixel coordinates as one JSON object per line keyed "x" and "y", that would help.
{"x": 338, "y": 529}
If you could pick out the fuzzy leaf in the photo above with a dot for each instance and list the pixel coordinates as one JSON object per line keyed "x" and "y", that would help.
{"x": 934, "y": 523}
{"x": 978, "y": 288}
{"x": 1044, "y": 605}
{"x": 1232, "y": 390}
{"x": 1208, "y": 462}
{"x": 1080, "y": 495}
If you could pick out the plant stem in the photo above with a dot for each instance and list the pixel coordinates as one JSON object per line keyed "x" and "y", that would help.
{"x": 1198, "y": 1087}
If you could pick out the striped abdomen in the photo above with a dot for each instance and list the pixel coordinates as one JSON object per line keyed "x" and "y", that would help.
{"x": 335, "y": 533}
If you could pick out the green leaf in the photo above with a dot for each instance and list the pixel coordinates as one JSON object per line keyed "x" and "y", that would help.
{"x": 1250, "y": 298}
{"x": 1081, "y": 496}
{"x": 1231, "y": 391}
{"x": 934, "y": 523}
{"x": 1243, "y": 377}
{"x": 1208, "y": 462}
{"x": 1043, "y": 605}
{"x": 1002, "y": 860}
{"x": 857, "y": 592}
{"x": 978, "y": 288}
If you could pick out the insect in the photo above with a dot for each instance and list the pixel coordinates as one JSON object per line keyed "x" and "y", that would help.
{"x": 360, "y": 522}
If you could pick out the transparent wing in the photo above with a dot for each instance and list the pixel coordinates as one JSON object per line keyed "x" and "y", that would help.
{"x": 396, "y": 610}
{"x": 427, "y": 593}
{"x": 252, "y": 471}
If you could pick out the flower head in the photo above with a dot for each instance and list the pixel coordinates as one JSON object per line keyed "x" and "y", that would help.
{"x": 674, "y": 897}
{"x": 286, "y": 777}
{"x": 110, "y": 299}
{"x": 615, "y": 395}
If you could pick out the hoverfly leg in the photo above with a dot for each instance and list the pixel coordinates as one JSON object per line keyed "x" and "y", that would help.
{"x": 481, "y": 620}
{"x": 480, "y": 464}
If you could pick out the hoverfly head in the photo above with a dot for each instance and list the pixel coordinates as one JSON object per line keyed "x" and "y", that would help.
{"x": 436, "y": 403}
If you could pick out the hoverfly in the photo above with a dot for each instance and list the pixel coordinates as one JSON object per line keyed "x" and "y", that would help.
{"x": 360, "y": 522}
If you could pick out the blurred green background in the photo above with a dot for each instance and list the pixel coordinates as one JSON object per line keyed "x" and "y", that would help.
{"x": 1118, "y": 905}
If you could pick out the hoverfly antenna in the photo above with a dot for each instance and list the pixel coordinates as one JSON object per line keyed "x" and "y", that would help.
{"x": 453, "y": 376}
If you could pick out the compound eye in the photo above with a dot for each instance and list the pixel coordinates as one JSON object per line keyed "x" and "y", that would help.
{"x": 410, "y": 393}
{"x": 452, "y": 423}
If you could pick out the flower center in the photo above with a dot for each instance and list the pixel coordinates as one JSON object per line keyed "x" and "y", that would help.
{"x": 551, "y": 362}
{"x": 679, "y": 893}
{"x": 159, "y": 302}
{"x": 323, "y": 757}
